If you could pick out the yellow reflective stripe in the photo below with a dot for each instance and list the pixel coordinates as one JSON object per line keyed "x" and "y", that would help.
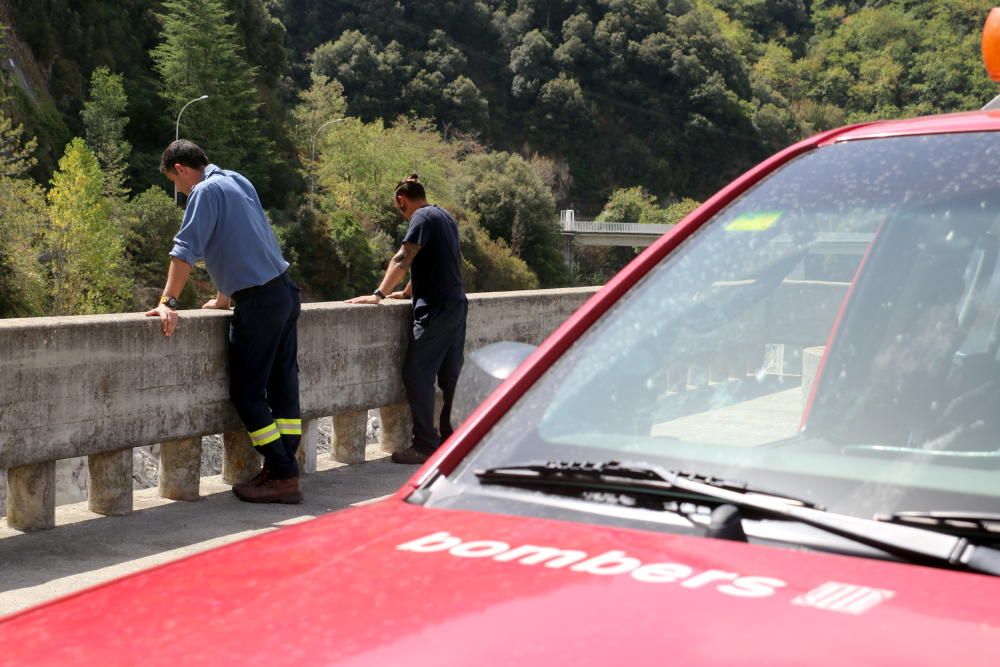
{"x": 265, "y": 436}
{"x": 289, "y": 426}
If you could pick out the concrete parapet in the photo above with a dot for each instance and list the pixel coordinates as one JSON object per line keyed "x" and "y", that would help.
{"x": 110, "y": 488}
{"x": 96, "y": 385}
{"x": 180, "y": 468}
{"x": 75, "y": 386}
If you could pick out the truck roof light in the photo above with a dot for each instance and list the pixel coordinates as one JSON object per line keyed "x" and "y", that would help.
{"x": 991, "y": 44}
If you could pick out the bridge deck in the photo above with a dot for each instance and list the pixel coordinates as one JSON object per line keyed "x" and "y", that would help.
{"x": 88, "y": 549}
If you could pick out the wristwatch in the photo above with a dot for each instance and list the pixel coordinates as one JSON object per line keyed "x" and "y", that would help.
{"x": 170, "y": 301}
{"x": 378, "y": 293}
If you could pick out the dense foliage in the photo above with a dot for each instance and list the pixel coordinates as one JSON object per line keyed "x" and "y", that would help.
{"x": 508, "y": 109}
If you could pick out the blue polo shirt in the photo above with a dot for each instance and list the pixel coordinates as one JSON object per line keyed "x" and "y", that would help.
{"x": 225, "y": 225}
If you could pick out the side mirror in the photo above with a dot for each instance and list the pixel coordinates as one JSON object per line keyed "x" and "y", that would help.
{"x": 485, "y": 369}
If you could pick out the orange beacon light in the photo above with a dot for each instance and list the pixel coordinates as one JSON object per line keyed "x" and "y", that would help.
{"x": 991, "y": 44}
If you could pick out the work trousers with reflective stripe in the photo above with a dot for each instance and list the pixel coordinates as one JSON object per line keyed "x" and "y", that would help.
{"x": 264, "y": 373}
{"x": 436, "y": 352}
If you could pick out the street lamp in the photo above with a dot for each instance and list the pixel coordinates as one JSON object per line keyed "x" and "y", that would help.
{"x": 312, "y": 153}
{"x": 177, "y": 130}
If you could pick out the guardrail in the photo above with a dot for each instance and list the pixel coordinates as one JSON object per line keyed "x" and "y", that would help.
{"x": 98, "y": 386}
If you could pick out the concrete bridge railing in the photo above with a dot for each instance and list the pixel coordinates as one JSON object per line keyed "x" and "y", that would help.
{"x": 98, "y": 386}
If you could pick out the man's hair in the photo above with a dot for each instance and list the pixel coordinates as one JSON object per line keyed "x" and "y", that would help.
{"x": 183, "y": 152}
{"x": 411, "y": 188}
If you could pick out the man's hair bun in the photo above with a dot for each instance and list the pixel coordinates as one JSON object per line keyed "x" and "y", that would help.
{"x": 411, "y": 187}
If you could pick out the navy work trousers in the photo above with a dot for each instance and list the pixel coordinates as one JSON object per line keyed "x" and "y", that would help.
{"x": 436, "y": 351}
{"x": 264, "y": 372}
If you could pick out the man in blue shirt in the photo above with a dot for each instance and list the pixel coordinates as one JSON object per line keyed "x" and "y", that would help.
{"x": 431, "y": 254}
{"x": 225, "y": 225}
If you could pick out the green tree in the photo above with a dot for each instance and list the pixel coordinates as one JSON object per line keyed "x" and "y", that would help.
{"x": 342, "y": 243}
{"x": 514, "y": 204}
{"x": 637, "y": 205}
{"x": 85, "y": 249}
{"x": 628, "y": 205}
{"x": 105, "y": 120}
{"x": 16, "y": 154}
{"x": 489, "y": 265}
{"x": 153, "y": 219}
{"x": 202, "y": 54}
{"x": 371, "y": 73}
{"x": 22, "y": 215}
{"x": 319, "y": 107}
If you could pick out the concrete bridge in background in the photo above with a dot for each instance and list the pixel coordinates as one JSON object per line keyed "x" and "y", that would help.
{"x": 99, "y": 386}
{"x": 578, "y": 233}
{"x": 619, "y": 234}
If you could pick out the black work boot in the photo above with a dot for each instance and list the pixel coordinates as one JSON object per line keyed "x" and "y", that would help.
{"x": 411, "y": 456}
{"x": 272, "y": 491}
{"x": 256, "y": 480}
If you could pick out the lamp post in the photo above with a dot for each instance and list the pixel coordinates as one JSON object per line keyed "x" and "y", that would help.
{"x": 312, "y": 154}
{"x": 177, "y": 129}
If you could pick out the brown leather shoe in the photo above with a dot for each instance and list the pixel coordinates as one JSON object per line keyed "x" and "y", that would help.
{"x": 410, "y": 455}
{"x": 272, "y": 491}
{"x": 257, "y": 480}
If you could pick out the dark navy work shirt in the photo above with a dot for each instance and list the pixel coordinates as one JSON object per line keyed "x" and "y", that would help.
{"x": 437, "y": 269}
{"x": 225, "y": 225}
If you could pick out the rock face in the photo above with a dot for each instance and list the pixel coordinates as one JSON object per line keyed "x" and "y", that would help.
{"x": 72, "y": 476}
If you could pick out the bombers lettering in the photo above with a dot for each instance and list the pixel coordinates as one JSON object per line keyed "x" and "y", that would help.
{"x": 606, "y": 564}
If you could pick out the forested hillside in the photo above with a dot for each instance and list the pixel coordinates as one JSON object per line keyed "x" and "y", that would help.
{"x": 509, "y": 109}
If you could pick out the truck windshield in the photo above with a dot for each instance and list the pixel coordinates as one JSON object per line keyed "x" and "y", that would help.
{"x": 832, "y": 334}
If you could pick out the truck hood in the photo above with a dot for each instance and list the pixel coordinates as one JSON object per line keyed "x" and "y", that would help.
{"x": 397, "y": 584}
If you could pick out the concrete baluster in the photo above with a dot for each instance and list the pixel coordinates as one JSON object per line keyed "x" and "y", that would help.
{"x": 110, "y": 485}
{"x": 180, "y": 469}
{"x": 349, "y": 437}
{"x": 240, "y": 461}
{"x": 306, "y": 456}
{"x": 31, "y": 496}
{"x": 396, "y": 429}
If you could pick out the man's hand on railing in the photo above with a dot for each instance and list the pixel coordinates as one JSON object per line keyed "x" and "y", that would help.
{"x": 220, "y": 302}
{"x": 367, "y": 299}
{"x": 168, "y": 318}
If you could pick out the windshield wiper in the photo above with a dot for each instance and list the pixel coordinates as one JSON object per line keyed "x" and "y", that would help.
{"x": 905, "y": 541}
{"x": 614, "y": 474}
{"x": 980, "y": 524}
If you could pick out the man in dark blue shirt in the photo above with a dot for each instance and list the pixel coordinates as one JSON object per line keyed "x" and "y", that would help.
{"x": 225, "y": 225}
{"x": 431, "y": 254}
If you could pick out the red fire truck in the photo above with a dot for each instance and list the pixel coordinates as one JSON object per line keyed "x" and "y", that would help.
{"x": 773, "y": 439}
